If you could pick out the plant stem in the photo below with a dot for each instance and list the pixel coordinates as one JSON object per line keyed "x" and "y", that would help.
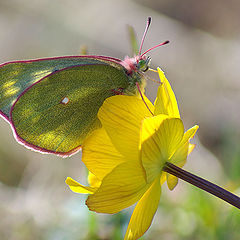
{"x": 202, "y": 184}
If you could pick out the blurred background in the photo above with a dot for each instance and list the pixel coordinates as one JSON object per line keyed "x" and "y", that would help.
{"x": 202, "y": 64}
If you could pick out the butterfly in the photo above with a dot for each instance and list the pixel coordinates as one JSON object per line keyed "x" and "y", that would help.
{"x": 52, "y": 103}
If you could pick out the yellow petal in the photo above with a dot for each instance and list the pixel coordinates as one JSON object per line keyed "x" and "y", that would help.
{"x": 121, "y": 188}
{"x": 191, "y": 147}
{"x": 179, "y": 158}
{"x": 144, "y": 212}
{"x": 160, "y": 137}
{"x": 163, "y": 178}
{"x": 99, "y": 155}
{"x": 93, "y": 180}
{"x": 189, "y": 134}
{"x": 78, "y": 188}
{"x": 166, "y": 102}
{"x": 172, "y": 181}
{"x": 121, "y": 116}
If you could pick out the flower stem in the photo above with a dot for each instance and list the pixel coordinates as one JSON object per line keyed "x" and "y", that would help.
{"x": 202, "y": 184}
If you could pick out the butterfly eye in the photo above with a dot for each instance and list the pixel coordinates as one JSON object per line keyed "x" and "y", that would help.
{"x": 143, "y": 64}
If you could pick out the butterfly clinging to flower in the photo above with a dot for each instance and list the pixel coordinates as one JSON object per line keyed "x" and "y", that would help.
{"x": 52, "y": 103}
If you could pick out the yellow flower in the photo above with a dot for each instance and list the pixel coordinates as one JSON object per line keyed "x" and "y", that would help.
{"x": 126, "y": 157}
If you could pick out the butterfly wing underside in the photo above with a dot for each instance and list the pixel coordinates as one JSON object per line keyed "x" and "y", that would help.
{"x": 56, "y": 113}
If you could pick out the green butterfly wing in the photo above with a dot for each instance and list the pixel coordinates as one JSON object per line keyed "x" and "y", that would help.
{"x": 58, "y": 112}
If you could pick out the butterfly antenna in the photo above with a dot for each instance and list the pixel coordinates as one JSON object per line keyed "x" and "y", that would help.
{"x": 139, "y": 90}
{"x": 144, "y": 34}
{"x": 150, "y": 49}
